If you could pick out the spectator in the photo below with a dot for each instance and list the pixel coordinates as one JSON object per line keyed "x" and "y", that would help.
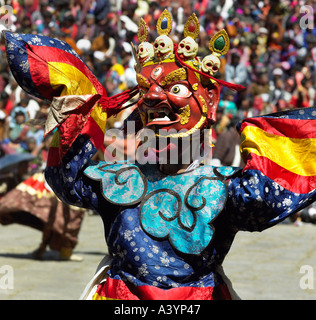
{"x": 6, "y": 104}
{"x": 68, "y": 25}
{"x": 31, "y": 105}
{"x": 47, "y": 25}
{"x": 271, "y": 54}
{"x": 226, "y": 151}
{"x": 253, "y": 69}
{"x": 89, "y": 29}
{"x": 228, "y": 104}
{"x": 38, "y": 15}
{"x": 26, "y": 25}
{"x": 104, "y": 44}
{"x": 235, "y": 71}
{"x": 112, "y": 82}
{"x": 101, "y": 11}
{"x": 277, "y": 92}
{"x": 260, "y": 91}
{"x": 17, "y": 127}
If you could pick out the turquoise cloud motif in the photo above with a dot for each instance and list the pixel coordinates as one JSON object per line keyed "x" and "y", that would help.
{"x": 179, "y": 208}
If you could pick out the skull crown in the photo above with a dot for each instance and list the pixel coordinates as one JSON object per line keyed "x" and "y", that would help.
{"x": 210, "y": 64}
{"x": 163, "y": 47}
{"x": 187, "y": 50}
{"x": 145, "y": 52}
{"x": 219, "y": 45}
{"x": 188, "y": 47}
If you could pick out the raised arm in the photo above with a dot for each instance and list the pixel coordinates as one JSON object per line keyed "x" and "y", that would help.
{"x": 279, "y": 178}
{"x": 50, "y": 69}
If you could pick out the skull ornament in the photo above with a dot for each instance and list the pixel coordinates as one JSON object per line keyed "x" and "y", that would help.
{"x": 163, "y": 47}
{"x": 210, "y": 64}
{"x": 145, "y": 52}
{"x": 187, "y": 49}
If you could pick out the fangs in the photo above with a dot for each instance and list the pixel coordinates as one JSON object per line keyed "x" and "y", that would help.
{"x": 159, "y": 115}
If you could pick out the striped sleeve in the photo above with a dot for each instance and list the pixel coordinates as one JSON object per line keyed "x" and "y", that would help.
{"x": 279, "y": 177}
{"x": 287, "y": 145}
{"x": 50, "y": 69}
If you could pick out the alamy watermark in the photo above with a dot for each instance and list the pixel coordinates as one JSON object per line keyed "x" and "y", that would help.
{"x": 307, "y": 279}
{"x": 6, "y": 278}
{"x": 162, "y": 146}
{"x": 6, "y": 13}
{"x": 307, "y": 20}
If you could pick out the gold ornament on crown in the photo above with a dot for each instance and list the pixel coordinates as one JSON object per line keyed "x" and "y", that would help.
{"x": 219, "y": 45}
{"x": 161, "y": 51}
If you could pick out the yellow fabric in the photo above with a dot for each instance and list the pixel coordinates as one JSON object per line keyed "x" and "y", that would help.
{"x": 117, "y": 67}
{"x": 55, "y": 140}
{"x": 74, "y": 81}
{"x": 99, "y": 116}
{"x": 295, "y": 155}
{"x": 96, "y": 296}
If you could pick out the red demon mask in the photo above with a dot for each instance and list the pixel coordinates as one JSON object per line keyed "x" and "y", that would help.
{"x": 174, "y": 100}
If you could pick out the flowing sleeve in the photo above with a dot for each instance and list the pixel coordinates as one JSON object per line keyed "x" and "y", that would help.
{"x": 50, "y": 69}
{"x": 279, "y": 177}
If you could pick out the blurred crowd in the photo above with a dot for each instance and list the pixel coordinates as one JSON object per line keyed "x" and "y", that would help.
{"x": 273, "y": 54}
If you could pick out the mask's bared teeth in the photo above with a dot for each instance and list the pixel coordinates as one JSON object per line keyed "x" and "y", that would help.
{"x": 161, "y": 116}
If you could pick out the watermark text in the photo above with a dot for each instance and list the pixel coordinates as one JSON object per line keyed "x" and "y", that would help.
{"x": 307, "y": 20}
{"x": 6, "y": 13}
{"x": 307, "y": 279}
{"x": 6, "y": 277}
{"x": 162, "y": 146}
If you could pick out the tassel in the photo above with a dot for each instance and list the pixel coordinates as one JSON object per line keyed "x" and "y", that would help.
{"x": 113, "y": 105}
{"x": 232, "y": 86}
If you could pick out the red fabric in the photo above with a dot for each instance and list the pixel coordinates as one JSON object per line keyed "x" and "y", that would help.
{"x": 117, "y": 289}
{"x": 70, "y": 128}
{"x": 113, "y": 105}
{"x": 95, "y": 133}
{"x": 40, "y": 74}
{"x": 287, "y": 179}
{"x": 79, "y": 120}
{"x": 35, "y": 184}
{"x": 291, "y": 128}
{"x": 232, "y": 86}
{"x": 54, "y": 157}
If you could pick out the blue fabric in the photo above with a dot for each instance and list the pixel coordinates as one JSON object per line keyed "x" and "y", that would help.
{"x": 140, "y": 259}
{"x": 254, "y": 203}
{"x": 17, "y": 54}
{"x": 129, "y": 187}
{"x": 261, "y": 202}
{"x": 67, "y": 180}
{"x": 178, "y": 207}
